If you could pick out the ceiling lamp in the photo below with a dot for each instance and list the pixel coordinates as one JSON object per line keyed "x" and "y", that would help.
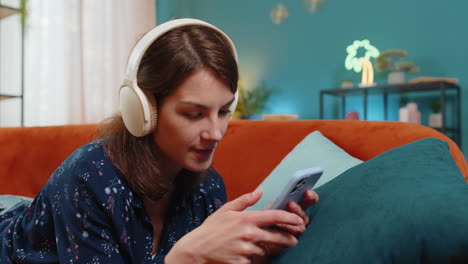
{"x": 279, "y": 14}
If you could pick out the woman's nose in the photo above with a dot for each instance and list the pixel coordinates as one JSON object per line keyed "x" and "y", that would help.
{"x": 213, "y": 131}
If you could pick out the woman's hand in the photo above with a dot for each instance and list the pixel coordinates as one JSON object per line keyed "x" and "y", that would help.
{"x": 232, "y": 235}
{"x": 271, "y": 250}
{"x": 310, "y": 198}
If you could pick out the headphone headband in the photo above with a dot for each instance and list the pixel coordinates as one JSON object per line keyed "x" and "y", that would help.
{"x": 148, "y": 39}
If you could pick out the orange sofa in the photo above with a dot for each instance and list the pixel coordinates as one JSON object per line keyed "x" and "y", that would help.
{"x": 249, "y": 151}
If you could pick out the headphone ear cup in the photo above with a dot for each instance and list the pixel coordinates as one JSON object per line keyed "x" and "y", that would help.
{"x": 139, "y": 111}
{"x": 232, "y": 108}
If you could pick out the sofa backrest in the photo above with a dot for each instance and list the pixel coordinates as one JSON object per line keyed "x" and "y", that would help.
{"x": 249, "y": 151}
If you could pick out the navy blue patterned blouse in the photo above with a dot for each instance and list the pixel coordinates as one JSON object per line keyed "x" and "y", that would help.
{"x": 86, "y": 213}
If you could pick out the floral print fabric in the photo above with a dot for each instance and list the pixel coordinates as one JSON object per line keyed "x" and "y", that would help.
{"x": 86, "y": 213}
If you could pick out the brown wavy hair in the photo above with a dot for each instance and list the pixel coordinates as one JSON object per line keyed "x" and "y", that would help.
{"x": 165, "y": 65}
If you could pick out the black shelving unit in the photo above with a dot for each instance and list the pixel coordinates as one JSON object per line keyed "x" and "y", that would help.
{"x": 385, "y": 90}
{"x": 6, "y": 11}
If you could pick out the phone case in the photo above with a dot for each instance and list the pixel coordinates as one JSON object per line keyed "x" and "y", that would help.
{"x": 294, "y": 191}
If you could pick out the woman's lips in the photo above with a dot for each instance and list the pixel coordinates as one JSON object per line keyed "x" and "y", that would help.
{"x": 204, "y": 152}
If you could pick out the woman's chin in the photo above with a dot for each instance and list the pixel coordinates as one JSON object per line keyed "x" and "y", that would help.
{"x": 198, "y": 167}
{"x": 198, "y": 163}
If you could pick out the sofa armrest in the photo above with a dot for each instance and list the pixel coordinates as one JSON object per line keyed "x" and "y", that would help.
{"x": 29, "y": 155}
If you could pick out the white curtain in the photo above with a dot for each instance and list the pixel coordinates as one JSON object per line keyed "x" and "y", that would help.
{"x": 76, "y": 53}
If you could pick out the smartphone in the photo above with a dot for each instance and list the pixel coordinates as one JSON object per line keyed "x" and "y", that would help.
{"x": 300, "y": 182}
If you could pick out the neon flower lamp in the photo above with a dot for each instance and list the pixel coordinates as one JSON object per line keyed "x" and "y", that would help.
{"x": 363, "y": 63}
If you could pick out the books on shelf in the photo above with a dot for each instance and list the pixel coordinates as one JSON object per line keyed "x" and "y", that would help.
{"x": 433, "y": 79}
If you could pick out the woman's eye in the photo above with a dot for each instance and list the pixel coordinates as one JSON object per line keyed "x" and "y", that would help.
{"x": 192, "y": 115}
{"x": 225, "y": 112}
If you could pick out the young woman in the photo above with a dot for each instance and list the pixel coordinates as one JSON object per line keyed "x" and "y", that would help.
{"x": 145, "y": 192}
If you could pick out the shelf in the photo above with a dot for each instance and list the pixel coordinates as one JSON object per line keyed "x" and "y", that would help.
{"x": 6, "y": 11}
{"x": 9, "y": 96}
{"x": 446, "y": 129}
{"x": 386, "y": 89}
{"x": 444, "y": 89}
{"x": 9, "y": 15}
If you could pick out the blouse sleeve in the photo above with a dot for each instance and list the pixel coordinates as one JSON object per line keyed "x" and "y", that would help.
{"x": 82, "y": 210}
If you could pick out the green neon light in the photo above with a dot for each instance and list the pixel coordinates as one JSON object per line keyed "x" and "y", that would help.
{"x": 352, "y": 62}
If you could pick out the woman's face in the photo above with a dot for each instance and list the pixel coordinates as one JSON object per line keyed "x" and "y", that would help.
{"x": 191, "y": 122}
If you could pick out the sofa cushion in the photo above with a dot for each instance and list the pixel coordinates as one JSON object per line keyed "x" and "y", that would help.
{"x": 315, "y": 150}
{"x": 407, "y": 205}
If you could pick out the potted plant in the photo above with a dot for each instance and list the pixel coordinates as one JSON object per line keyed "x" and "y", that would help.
{"x": 393, "y": 60}
{"x": 435, "y": 119}
{"x": 252, "y": 101}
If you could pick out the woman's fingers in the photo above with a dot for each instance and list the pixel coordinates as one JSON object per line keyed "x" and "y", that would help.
{"x": 249, "y": 248}
{"x": 298, "y": 210}
{"x": 310, "y": 198}
{"x": 293, "y": 230}
{"x": 257, "y": 250}
{"x": 272, "y": 236}
{"x": 254, "y": 222}
{"x": 242, "y": 202}
{"x": 273, "y": 217}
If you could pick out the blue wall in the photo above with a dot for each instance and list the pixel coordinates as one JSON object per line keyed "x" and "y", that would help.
{"x": 307, "y": 52}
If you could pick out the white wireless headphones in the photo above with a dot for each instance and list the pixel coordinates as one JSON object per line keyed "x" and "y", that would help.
{"x": 138, "y": 108}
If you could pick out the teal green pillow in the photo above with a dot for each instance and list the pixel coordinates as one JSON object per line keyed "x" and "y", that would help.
{"x": 315, "y": 150}
{"x": 407, "y": 205}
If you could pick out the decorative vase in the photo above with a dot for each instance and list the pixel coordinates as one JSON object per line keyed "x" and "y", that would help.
{"x": 410, "y": 114}
{"x": 347, "y": 84}
{"x": 435, "y": 120}
{"x": 396, "y": 77}
{"x": 353, "y": 115}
